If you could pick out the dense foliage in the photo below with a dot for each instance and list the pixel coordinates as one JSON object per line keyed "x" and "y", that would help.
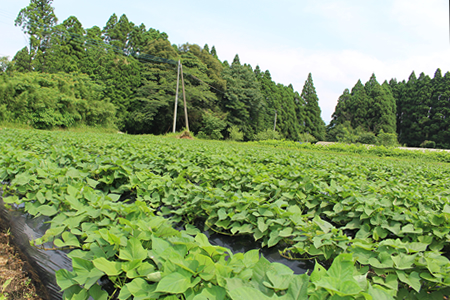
{"x": 417, "y": 111}
{"x": 137, "y": 70}
{"x": 369, "y": 108}
{"x": 49, "y": 100}
{"x": 423, "y": 109}
{"x": 380, "y": 227}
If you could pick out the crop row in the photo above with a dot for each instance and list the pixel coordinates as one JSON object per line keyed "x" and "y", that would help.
{"x": 389, "y": 217}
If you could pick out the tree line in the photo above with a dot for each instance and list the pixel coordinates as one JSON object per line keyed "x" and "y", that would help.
{"x": 414, "y": 112}
{"x": 132, "y": 72}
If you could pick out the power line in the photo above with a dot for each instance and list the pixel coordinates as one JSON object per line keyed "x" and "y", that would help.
{"x": 84, "y": 40}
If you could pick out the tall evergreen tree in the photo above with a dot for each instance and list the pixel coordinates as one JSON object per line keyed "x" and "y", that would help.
{"x": 22, "y": 61}
{"x": 416, "y": 110}
{"x": 313, "y": 121}
{"x": 359, "y": 106}
{"x": 406, "y": 102}
{"x": 214, "y": 52}
{"x": 151, "y": 108}
{"x": 66, "y": 47}
{"x": 37, "y": 20}
{"x": 398, "y": 90}
{"x": 342, "y": 112}
{"x": 242, "y": 98}
{"x": 439, "y": 129}
{"x": 382, "y": 109}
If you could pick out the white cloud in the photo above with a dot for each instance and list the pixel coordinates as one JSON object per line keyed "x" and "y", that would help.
{"x": 425, "y": 20}
{"x": 333, "y": 71}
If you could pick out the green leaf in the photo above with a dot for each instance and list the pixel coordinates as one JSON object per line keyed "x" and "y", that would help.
{"x": 211, "y": 293}
{"x": 145, "y": 268}
{"x": 91, "y": 182}
{"x": 175, "y": 283}
{"x": 97, "y": 293}
{"x": 410, "y": 229}
{"x": 412, "y": 279}
{"x": 446, "y": 209}
{"x": 318, "y": 272}
{"x": 378, "y": 293}
{"x": 86, "y": 274}
{"x": 155, "y": 276}
{"x": 274, "y": 238}
{"x": 75, "y": 293}
{"x": 133, "y": 250}
{"x": 124, "y": 293}
{"x": 65, "y": 279}
{"x": 139, "y": 287}
{"x": 48, "y": 210}
{"x": 342, "y": 267}
{"x": 404, "y": 261}
{"x": 341, "y": 287}
{"x": 222, "y": 214}
{"x": 298, "y": 287}
{"x": 21, "y": 179}
{"x": 286, "y": 232}
{"x": 277, "y": 281}
{"x": 251, "y": 258}
{"x": 261, "y": 225}
{"x": 70, "y": 239}
{"x": 159, "y": 245}
{"x": 324, "y": 225}
{"x": 247, "y": 293}
{"x": 111, "y": 268}
{"x": 11, "y": 200}
{"x": 207, "y": 266}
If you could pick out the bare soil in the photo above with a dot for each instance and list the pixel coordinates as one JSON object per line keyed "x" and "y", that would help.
{"x": 16, "y": 271}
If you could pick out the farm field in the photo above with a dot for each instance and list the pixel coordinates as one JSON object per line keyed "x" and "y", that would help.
{"x": 377, "y": 227}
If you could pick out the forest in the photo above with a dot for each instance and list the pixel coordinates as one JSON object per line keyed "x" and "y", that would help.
{"x": 124, "y": 76}
{"x": 417, "y": 111}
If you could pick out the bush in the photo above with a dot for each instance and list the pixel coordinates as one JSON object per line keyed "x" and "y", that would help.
{"x": 367, "y": 138}
{"x": 201, "y": 135}
{"x": 343, "y": 133}
{"x": 235, "y": 133}
{"x": 213, "y": 124}
{"x": 268, "y": 134}
{"x": 216, "y": 135}
{"x": 428, "y": 144}
{"x": 307, "y": 138}
{"x": 387, "y": 139}
{"x": 46, "y": 101}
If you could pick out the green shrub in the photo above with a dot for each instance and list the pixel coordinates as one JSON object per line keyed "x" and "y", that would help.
{"x": 46, "y": 101}
{"x": 201, "y": 135}
{"x": 268, "y": 134}
{"x": 216, "y": 135}
{"x": 343, "y": 133}
{"x": 235, "y": 133}
{"x": 213, "y": 124}
{"x": 367, "y": 138}
{"x": 428, "y": 144}
{"x": 387, "y": 139}
{"x": 307, "y": 138}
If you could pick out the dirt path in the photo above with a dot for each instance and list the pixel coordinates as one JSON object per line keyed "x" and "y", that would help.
{"x": 402, "y": 148}
{"x": 14, "y": 281}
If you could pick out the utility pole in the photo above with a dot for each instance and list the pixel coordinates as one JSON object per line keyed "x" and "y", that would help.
{"x": 184, "y": 99}
{"x": 275, "y": 121}
{"x": 176, "y": 98}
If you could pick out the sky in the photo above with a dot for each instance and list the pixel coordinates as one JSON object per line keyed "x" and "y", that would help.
{"x": 337, "y": 41}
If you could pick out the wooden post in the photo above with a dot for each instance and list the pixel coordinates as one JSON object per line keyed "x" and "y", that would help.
{"x": 176, "y": 99}
{"x": 184, "y": 99}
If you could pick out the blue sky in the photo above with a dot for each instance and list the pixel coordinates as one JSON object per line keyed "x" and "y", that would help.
{"x": 338, "y": 41}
